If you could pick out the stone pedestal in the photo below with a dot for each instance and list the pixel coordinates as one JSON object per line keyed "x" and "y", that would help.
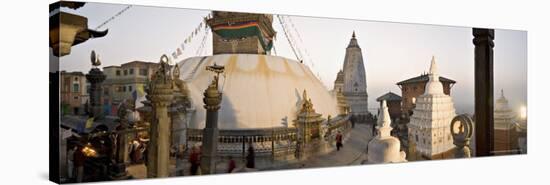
{"x": 96, "y": 77}
{"x": 159, "y": 143}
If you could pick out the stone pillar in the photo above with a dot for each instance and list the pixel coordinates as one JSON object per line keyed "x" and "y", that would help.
{"x": 212, "y": 100}
{"x": 177, "y": 115}
{"x": 96, "y": 77}
{"x": 483, "y": 41}
{"x": 160, "y": 93}
{"x": 121, "y": 155}
{"x": 122, "y": 138}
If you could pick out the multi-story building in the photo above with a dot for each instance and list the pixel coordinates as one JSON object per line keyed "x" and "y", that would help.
{"x": 74, "y": 92}
{"x": 125, "y": 82}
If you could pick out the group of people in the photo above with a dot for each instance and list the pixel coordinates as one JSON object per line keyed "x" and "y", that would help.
{"x": 195, "y": 159}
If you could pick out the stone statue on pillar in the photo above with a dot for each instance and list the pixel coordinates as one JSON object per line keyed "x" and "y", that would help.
{"x": 212, "y": 101}
{"x": 160, "y": 93}
{"x": 96, "y": 77}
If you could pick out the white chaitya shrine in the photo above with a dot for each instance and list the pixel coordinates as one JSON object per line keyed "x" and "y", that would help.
{"x": 506, "y": 136}
{"x": 504, "y": 116}
{"x": 385, "y": 148}
{"x": 431, "y": 119}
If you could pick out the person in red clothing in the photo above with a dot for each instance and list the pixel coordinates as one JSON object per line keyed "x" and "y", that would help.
{"x": 79, "y": 159}
{"x": 232, "y": 165}
{"x": 194, "y": 159}
{"x": 339, "y": 141}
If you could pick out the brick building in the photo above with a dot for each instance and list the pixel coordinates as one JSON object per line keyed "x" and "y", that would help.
{"x": 393, "y": 102}
{"x": 414, "y": 87}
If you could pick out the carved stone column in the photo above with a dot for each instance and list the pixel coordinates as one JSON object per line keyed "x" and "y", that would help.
{"x": 483, "y": 41}
{"x": 212, "y": 100}
{"x": 161, "y": 91}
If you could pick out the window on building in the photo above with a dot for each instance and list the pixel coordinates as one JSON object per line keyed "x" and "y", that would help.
{"x": 88, "y": 89}
{"x": 76, "y": 97}
{"x": 131, "y": 71}
{"x": 106, "y": 91}
{"x": 125, "y": 72}
{"x": 143, "y": 72}
{"x": 123, "y": 88}
{"x": 118, "y": 72}
{"x": 416, "y": 138}
{"x": 76, "y": 87}
{"x": 130, "y": 88}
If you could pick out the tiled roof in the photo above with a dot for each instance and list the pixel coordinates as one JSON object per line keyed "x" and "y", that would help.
{"x": 389, "y": 97}
{"x": 424, "y": 78}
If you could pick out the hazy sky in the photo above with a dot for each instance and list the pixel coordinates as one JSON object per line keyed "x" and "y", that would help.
{"x": 391, "y": 51}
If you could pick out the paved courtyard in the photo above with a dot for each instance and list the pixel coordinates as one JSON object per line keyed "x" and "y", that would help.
{"x": 353, "y": 153}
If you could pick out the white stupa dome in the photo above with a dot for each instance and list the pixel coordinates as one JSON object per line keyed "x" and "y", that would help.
{"x": 259, "y": 91}
{"x": 385, "y": 148}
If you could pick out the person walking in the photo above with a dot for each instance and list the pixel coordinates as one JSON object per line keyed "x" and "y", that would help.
{"x": 339, "y": 141}
{"x": 79, "y": 160}
{"x": 194, "y": 159}
{"x": 231, "y": 165}
{"x": 250, "y": 157}
{"x": 70, "y": 161}
{"x": 352, "y": 120}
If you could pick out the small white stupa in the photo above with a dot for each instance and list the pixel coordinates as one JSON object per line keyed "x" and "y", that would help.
{"x": 506, "y": 136}
{"x": 431, "y": 119}
{"x": 385, "y": 148}
{"x": 504, "y": 116}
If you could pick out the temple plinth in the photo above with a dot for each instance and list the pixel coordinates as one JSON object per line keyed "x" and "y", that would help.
{"x": 160, "y": 94}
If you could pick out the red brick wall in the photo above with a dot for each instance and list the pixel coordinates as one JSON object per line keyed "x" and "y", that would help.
{"x": 408, "y": 91}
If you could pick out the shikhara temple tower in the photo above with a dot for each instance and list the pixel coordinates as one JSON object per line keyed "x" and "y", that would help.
{"x": 355, "y": 81}
{"x": 429, "y": 130}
